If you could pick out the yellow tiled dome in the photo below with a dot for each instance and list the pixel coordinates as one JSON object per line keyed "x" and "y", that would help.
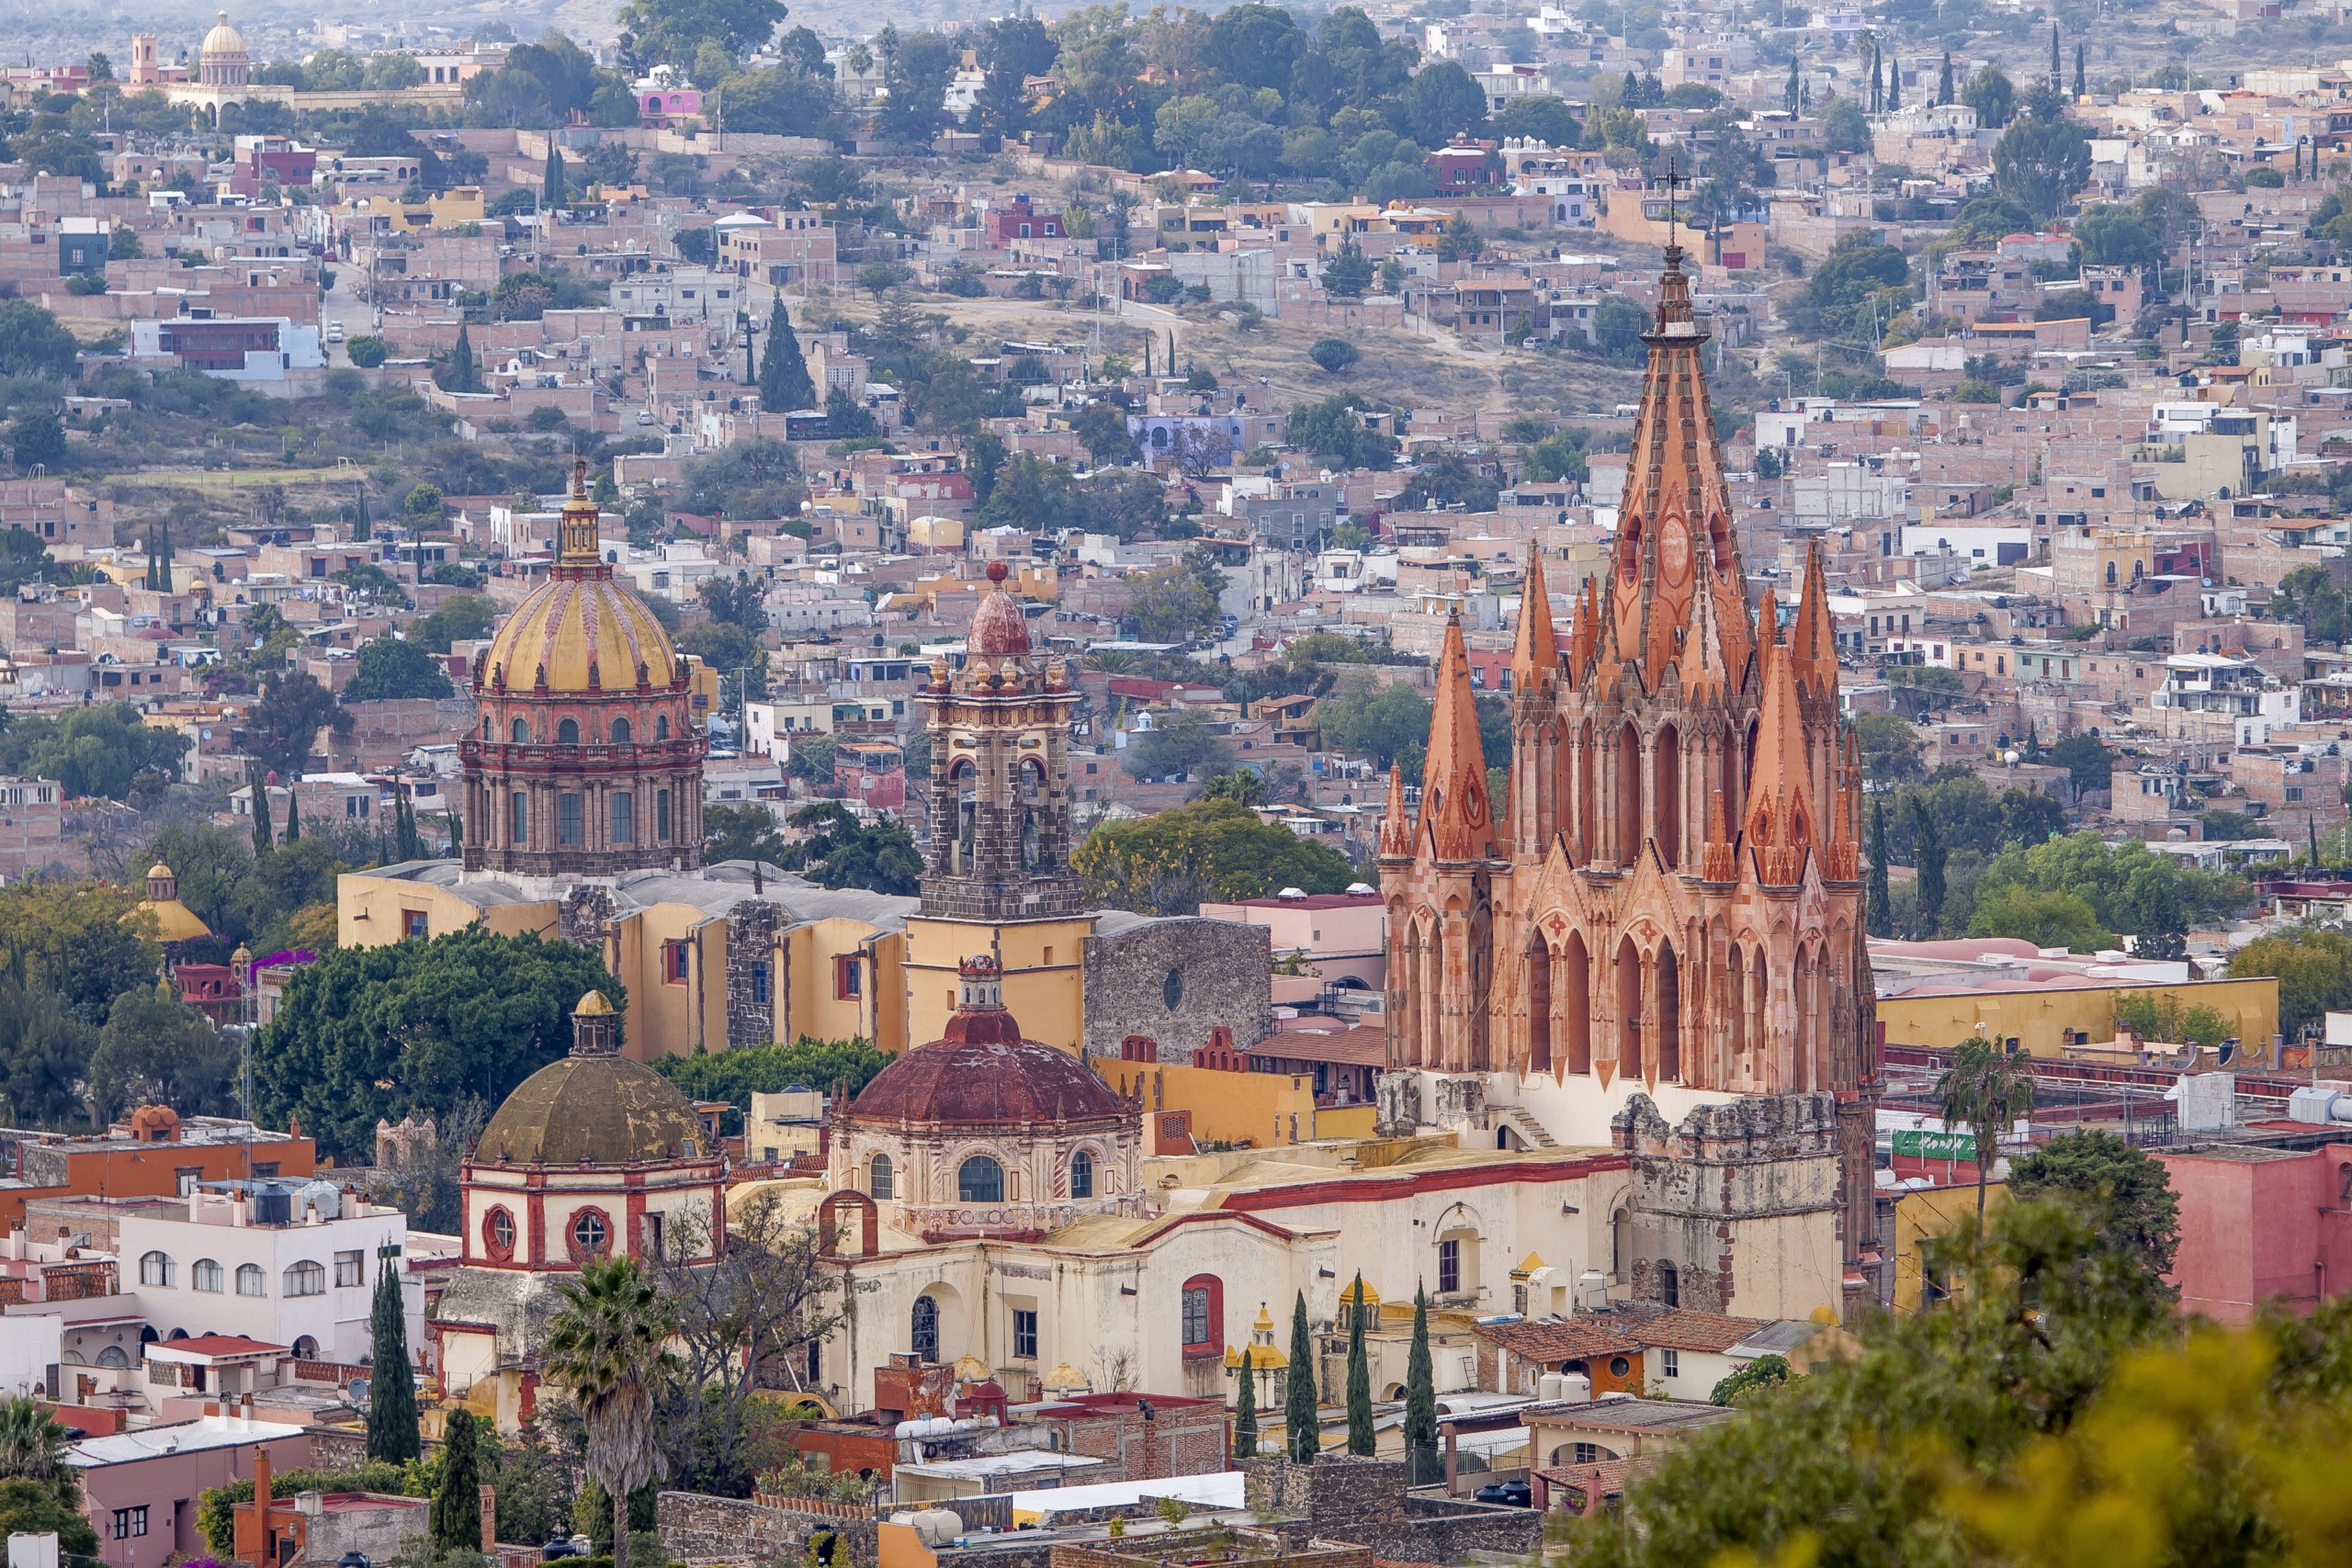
{"x": 223, "y": 39}
{"x": 581, "y": 621}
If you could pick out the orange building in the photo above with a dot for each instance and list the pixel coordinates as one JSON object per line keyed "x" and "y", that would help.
{"x": 1656, "y": 942}
{"x": 152, "y": 1153}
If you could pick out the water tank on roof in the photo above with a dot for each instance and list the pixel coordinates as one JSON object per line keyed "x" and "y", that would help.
{"x": 273, "y": 1207}
{"x": 325, "y": 1199}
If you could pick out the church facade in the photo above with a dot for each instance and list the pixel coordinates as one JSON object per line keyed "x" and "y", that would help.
{"x": 1656, "y": 941}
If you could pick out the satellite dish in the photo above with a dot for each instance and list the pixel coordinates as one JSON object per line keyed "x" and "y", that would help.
{"x": 355, "y": 1390}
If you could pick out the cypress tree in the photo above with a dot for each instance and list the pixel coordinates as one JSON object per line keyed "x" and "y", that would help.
{"x": 784, "y": 369}
{"x": 1793, "y": 84}
{"x": 462, "y": 377}
{"x": 362, "y": 529}
{"x": 1360, "y": 1438}
{"x": 1301, "y": 1418}
{"x": 2055, "y": 79}
{"x": 1895, "y": 87}
{"x": 1421, "y": 1390}
{"x": 1245, "y": 1408}
{"x": 1943, "y": 81}
{"x": 293, "y": 817}
{"x": 455, "y": 1518}
{"x": 391, "y": 1391}
{"x": 551, "y": 187}
{"x": 264, "y": 838}
{"x": 1931, "y": 858}
{"x": 1879, "y": 914}
{"x": 2083, "y": 90}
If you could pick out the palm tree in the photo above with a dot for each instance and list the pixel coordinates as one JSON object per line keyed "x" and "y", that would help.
{"x": 605, "y": 1349}
{"x": 32, "y": 1444}
{"x": 1984, "y": 1089}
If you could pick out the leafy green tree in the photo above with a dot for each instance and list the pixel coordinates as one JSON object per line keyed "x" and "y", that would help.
{"x": 1348, "y": 274}
{"x": 1845, "y": 127}
{"x": 1179, "y": 743}
{"x": 393, "y": 1434}
{"x": 82, "y": 940}
{"x": 413, "y": 1026}
{"x": 2039, "y": 163}
{"x": 735, "y": 1075}
{"x": 391, "y": 668}
{"x": 605, "y": 1350}
{"x": 1334, "y": 355}
{"x": 1361, "y": 1439}
{"x": 464, "y": 618}
{"x": 1302, "y": 1418}
{"x": 285, "y": 725}
{"x": 1992, "y": 96}
{"x": 1168, "y": 863}
{"x": 918, "y": 73}
{"x": 743, "y": 833}
{"x": 1890, "y": 748}
{"x": 1171, "y": 605}
{"x": 842, "y": 850}
{"x": 108, "y": 751}
{"x": 34, "y": 1446}
{"x": 1562, "y": 455}
{"x": 32, "y": 343}
{"x": 1538, "y": 117}
{"x": 1985, "y": 1088}
{"x": 156, "y": 1050}
{"x": 534, "y": 1488}
{"x": 2126, "y": 1190}
{"x": 32, "y": 1508}
{"x": 1442, "y": 102}
{"x": 44, "y": 1053}
{"x": 1765, "y": 1372}
{"x": 2051, "y": 917}
{"x": 2313, "y": 967}
{"x": 36, "y": 439}
{"x": 1389, "y": 723}
{"x": 454, "y": 1522}
{"x": 2114, "y": 236}
{"x": 1618, "y": 324}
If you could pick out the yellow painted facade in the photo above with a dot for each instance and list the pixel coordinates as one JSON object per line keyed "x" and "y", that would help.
{"x": 1260, "y": 1109}
{"x": 1044, "y": 985}
{"x": 2052, "y": 1021}
{"x": 1919, "y": 1218}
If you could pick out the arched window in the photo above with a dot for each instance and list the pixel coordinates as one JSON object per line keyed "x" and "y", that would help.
{"x": 980, "y": 1181}
{"x": 522, "y": 732}
{"x": 924, "y": 1329}
{"x": 622, "y": 734}
{"x": 567, "y": 732}
{"x": 114, "y": 1356}
{"x": 1621, "y": 1243}
{"x": 882, "y": 1186}
{"x": 1082, "y": 1175}
{"x": 208, "y": 1276}
{"x": 661, "y": 727}
{"x": 498, "y": 1234}
{"x": 522, "y": 822}
{"x": 157, "y": 1268}
{"x": 251, "y": 1281}
{"x": 1203, "y": 1315}
{"x": 485, "y": 726}
{"x": 305, "y": 1348}
{"x": 1670, "y": 1284}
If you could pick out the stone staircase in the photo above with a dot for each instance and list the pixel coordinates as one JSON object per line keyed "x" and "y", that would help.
{"x": 1530, "y": 1131}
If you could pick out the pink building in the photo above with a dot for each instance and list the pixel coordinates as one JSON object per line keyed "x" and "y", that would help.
{"x": 2261, "y": 1225}
{"x": 140, "y": 1487}
{"x": 665, "y": 98}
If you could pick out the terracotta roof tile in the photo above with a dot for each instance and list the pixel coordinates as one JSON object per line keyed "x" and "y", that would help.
{"x": 1567, "y": 1339}
{"x": 1681, "y": 1329}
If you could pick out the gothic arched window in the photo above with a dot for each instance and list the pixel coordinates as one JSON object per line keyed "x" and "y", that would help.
{"x": 924, "y": 1329}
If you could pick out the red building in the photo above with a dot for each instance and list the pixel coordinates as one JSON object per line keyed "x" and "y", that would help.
{"x": 1464, "y": 169}
{"x": 2261, "y": 1225}
{"x": 1020, "y": 220}
{"x": 873, "y": 773}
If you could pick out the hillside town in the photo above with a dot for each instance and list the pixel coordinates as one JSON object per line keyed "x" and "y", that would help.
{"x": 1393, "y": 785}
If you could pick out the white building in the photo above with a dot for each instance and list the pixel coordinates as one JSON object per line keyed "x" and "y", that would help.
{"x": 291, "y": 1263}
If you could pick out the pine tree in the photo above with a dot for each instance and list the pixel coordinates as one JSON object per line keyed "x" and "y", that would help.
{"x": 392, "y": 1392}
{"x": 552, "y": 188}
{"x": 1245, "y": 1406}
{"x": 784, "y": 369}
{"x": 1302, "y": 1419}
{"x": 1879, "y": 913}
{"x": 264, "y": 838}
{"x": 1421, "y": 1390}
{"x": 1944, "y": 82}
{"x": 1360, "y": 1438}
{"x": 2081, "y": 89}
{"x": 455, "y": 1522}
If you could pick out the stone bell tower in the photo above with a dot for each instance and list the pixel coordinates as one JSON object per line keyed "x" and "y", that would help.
{"x": 997, "y": 876}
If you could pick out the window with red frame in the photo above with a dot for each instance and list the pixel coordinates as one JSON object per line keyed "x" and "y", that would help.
{"x": 591, "y": 1235}
{"x": 848, "y": 983}
{"x": 674, "y": 961}
{"x": 498, "y": 1234}
{"x": 1203, "y": 1315}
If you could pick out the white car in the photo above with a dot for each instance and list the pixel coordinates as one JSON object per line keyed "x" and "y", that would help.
{"x": 335, "y": 332}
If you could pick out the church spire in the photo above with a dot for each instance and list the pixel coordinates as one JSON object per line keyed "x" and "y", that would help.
{"x": 1536, "y": 654}
{"x": 1457, "y": 821}
{"x": 1813, "y": 641}
{"x": 1396, "y": 826}
{"x": 1780, "y": 822}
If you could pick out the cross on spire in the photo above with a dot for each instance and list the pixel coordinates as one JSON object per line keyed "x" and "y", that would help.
{"x": 1673, "y": 239}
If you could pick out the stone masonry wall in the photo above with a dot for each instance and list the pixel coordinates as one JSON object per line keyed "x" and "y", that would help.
{"x": 1175, "y": 980}
{"x": 750, "y": 949}
{"x": 698, "y": 1528}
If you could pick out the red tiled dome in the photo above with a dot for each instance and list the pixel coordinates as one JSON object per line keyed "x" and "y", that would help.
{"x": 997, "y": 628}
{"x": 985, "y": 1081}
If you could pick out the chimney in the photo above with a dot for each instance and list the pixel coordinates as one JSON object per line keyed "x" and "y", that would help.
{"x": 212, "y": 1410}
{"x": 261, "y": 1486}
{"x": 245, "y": 1410}
{"x": 489, "y": 1521}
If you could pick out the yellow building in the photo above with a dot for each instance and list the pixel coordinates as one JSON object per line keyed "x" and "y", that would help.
{"x": 1231, "y": 1107}
{"x": 2059, "y": 1019}
{"x": 1921, "y": 1216}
